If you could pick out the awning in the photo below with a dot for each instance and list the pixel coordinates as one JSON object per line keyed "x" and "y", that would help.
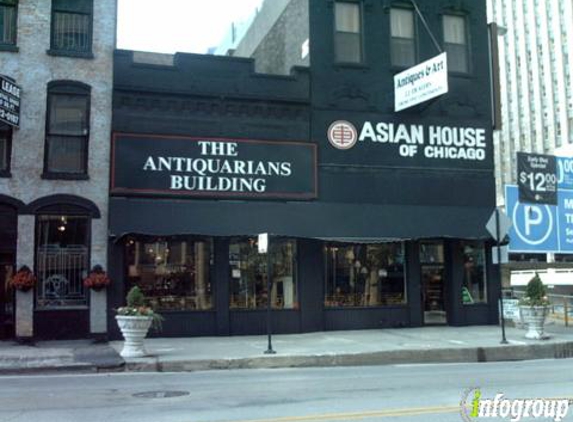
{"x": 317, "y": 220}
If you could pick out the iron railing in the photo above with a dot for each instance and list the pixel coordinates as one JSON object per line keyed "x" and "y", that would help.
{"x": 60, "y": 272}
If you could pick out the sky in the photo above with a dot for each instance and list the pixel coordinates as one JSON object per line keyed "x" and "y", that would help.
{"x": 169, "y": 26}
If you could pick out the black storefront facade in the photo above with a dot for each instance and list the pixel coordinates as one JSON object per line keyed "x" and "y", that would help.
{"x": 387, "y": 232}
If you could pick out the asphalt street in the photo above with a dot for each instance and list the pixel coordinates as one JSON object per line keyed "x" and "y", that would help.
{"x": 428, "y": 393}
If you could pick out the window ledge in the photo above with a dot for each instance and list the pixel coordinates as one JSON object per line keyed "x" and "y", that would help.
{"x": 62, "y": 308}
{"x": 356, "y": 66}
{"x": 9, "y": 47}
{"x": 463, "y": 75}
{"x": 64, "y": 176}
{"x": 5, "y": 174}
{"x": 68, "y": 53}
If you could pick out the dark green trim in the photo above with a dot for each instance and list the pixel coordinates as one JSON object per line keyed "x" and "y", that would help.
{"x": 69, "y": 53}
{"x": 12, "y": 48}
{"x": 64, "y": 176}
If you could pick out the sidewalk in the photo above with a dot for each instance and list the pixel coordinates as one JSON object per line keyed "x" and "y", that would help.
{"x": 366, "y": 347}
{"x": 50, "y": 356}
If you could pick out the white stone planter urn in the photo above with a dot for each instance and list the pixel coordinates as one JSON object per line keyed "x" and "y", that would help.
{"x": 534, "y": 319}
{"x": 134, "y": 330}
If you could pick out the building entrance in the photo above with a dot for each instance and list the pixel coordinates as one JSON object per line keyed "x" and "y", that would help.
{"x": 433, "y": 294}
{"x": 433, "y": 283}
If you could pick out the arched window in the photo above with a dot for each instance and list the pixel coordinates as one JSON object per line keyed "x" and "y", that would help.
{"x": 67, "y": 130}
{"x": 63, "y": 239}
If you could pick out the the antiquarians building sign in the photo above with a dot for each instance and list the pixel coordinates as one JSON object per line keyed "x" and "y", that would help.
{"x": 9, "y": 102}
{"x": 212, "y": 167}
{"x": 421, "y": 83}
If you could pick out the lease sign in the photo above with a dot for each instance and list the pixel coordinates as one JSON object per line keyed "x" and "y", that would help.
{"x": 9, "y": 102}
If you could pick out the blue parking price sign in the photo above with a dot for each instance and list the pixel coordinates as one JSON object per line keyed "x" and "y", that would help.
{"x": 535, "y": 226}
{"x": 565, "y": 215}
{"x": 564, "y": 173}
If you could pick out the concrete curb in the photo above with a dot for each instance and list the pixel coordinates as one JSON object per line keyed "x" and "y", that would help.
{"x": 391, "y": 357}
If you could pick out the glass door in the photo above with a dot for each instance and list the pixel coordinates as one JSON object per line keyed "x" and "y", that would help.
{"x": 433, "y": 294}
{"x": 433, "y": 283}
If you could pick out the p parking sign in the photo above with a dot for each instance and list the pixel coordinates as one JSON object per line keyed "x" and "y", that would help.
{"x": 534, "y": 226}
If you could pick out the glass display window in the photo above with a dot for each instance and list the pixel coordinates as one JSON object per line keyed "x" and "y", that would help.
{"x": 475, "y": 279}
{"x": 173, "y": 273}
{"x": 248, "y": 281}
{"x": 364, "y": 275}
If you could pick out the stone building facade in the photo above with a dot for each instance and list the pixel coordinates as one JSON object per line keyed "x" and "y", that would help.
{"x": 54, "y": 173}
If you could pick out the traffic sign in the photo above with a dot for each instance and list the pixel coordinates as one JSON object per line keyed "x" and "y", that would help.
{"x": 504, "y": 224}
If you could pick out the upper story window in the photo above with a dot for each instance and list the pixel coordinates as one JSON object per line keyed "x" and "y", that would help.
{"x": 347, "y": 32}
{"x": 67, "y": 130}
{"x": 5, "y": 146}
{"x": 402, "y": 37}
{"x": 72, "y": 27}
{"x": 456, "y": 43}
{"x": 8, "y": 22}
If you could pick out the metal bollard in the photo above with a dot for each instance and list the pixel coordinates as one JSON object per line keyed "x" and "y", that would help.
{"x": 565, "y": 306}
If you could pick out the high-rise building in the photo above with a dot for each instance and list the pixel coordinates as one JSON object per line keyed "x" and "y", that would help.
{"x": 535, "y": 61}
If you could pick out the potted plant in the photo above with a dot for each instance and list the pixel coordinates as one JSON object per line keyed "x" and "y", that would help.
{"x": 533, "y": 307}
{"x": 23, "y": 280}
{"x": 97, "y": 279}
{"x": 134, "y": 321}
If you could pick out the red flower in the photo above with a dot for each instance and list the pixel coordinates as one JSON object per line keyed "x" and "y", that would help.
{"x": 23, "y": 280}
{"x": 97, "y": 279}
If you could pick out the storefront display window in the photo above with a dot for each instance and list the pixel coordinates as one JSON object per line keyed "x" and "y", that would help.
{"x": 249, "y": 275}
{"x": 365, "y": 275}
{"x": 474, "y": 288}
{"x": 62, "y": 260}
{"x": 174, "y": 274}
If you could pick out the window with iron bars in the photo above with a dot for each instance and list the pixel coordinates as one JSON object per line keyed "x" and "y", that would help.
{"x": 62, "y": 260}
{"x": 8, "y": 22}
{"x": 72, "y": 26}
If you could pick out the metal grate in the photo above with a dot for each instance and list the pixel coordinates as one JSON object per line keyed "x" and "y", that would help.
{"x": 7, "y": 24}
{"x": 71, "y": 32}
{"x": 61, "y": 271}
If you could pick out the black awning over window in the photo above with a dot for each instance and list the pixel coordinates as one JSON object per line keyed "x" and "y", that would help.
{"x": 317, "y": 220}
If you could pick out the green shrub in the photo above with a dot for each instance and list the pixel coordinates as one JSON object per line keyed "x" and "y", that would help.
{"x": 535, "y": 293}
{"x": 136, "y": 307}
{"x": 135, "y": 298}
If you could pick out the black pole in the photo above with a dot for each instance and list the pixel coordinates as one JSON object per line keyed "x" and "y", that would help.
{"x": 498, "y": 240}
{"x": 417, "y": 9}
{"x": 269, "y": 350}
